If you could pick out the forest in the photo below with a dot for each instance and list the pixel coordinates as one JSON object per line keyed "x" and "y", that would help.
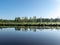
{"x": 18, "y": 21}
{"x": 31, "y": 19}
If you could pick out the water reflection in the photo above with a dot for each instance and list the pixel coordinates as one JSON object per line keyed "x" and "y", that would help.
{"x": 25, "y": 28}
{"x": 33, "y": 35}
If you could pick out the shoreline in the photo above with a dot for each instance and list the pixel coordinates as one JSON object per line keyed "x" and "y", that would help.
{"x": 29, "y": 24}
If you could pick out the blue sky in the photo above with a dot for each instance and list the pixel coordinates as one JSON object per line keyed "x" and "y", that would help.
{"x": 9, "y": 9}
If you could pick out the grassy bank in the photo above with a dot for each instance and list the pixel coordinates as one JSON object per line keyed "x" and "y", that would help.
{"x": 30, "y": 24}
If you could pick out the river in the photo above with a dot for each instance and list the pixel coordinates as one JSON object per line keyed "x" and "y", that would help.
{"x": 34, "y": 35}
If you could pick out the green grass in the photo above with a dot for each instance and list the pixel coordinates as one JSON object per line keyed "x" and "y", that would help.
{"x": 30, "y": 23}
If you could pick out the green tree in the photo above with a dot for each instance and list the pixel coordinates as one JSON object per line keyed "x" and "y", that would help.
{"x": 25, "y": 19}
{"x": 51, "y": 20}
{"x": 30, "y": 19}
{"x": 41, "y": 19}
{"x": 34, "y": 19}
{"x": 18, "y": 19}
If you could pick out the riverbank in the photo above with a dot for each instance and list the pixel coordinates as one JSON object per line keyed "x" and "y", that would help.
{"x": 31, "y": 24}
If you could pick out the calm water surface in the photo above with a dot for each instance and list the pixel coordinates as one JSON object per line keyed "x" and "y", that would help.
{"x": 29, "y": 36}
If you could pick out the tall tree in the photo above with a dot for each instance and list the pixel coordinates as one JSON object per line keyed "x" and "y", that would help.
{"x": 34, "y": 19}
{"x": 25, "y": 19}
{"x": 41, "y": 19}
{"x": 18, "y": 19}
{"x": 30, "y": 19}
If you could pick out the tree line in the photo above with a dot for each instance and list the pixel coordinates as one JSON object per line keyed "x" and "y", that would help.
{"x": 31, "y": 19}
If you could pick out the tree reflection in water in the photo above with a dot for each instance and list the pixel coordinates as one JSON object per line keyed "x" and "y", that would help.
{"x": 31, "y": 28}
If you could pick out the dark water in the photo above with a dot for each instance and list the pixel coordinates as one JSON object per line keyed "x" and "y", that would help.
{"x": 33, "y": 35}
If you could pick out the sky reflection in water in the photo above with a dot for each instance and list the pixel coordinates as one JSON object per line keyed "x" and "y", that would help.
{"x": 34, "y": 35}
